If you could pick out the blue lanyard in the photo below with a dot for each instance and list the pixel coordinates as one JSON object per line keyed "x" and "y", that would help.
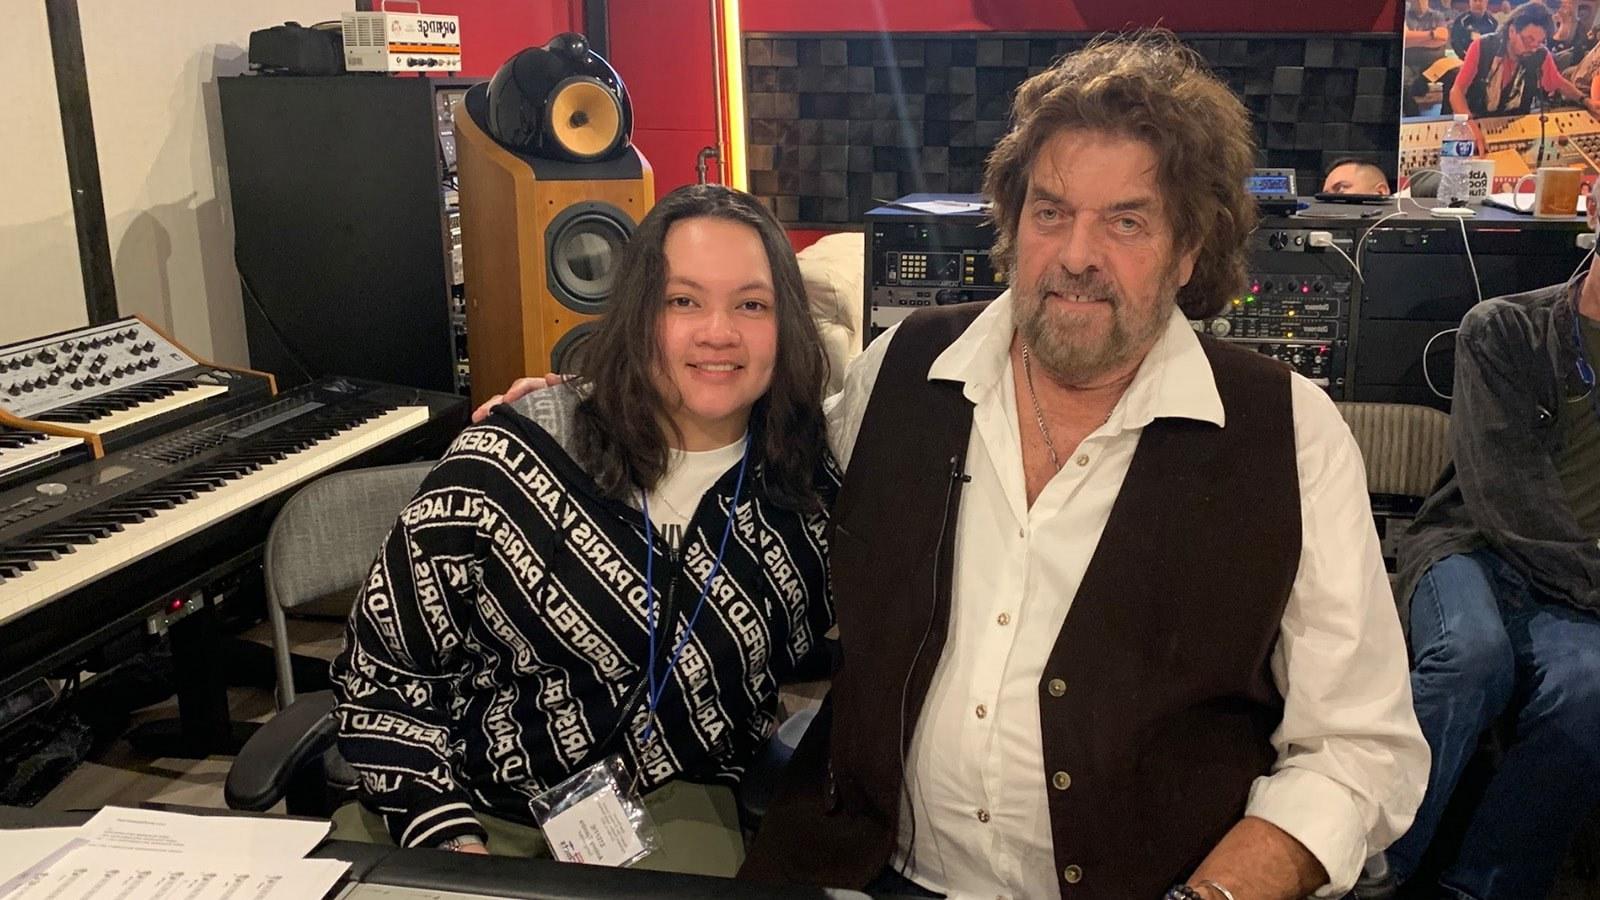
{"x": 1586, "y": 372}
{"x": 657, "y": 687}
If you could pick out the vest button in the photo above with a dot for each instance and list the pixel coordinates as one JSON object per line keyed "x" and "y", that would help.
{"x": 983, "y": 816}
{"x": 1061, "y": 780}
{"x": 1072, "y": 874}
{"x": 1057, "y": 687}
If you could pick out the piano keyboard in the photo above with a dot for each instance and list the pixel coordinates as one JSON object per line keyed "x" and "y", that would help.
{"x": 107, "y": 413}
{"x": 21, "y": 449}
{"x": 276, "y": 451}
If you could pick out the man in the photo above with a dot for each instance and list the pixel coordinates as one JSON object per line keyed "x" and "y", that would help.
{"x": 1575, "y": 31}
{"x": 1471, "y": 25}
{"x": 1427, "y": 33}
{"x": 1112, "y": 608}
{"x": 1355, "y": 175}
{"x": 1502, "y": 73}
{"x": 1503, "y": 575}
{"x": 1113, "y": 616}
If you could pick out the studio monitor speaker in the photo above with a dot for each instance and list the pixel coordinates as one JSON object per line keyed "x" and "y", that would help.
{"x": 541, "y": 236}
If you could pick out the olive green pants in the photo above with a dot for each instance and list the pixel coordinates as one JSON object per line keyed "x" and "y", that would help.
{"x": 697, "y": 830}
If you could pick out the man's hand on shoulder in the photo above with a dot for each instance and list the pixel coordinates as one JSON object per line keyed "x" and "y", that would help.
{"x": 520, "y": 388}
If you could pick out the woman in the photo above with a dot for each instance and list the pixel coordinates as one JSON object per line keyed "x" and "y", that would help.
{"x": 568, "y": 585}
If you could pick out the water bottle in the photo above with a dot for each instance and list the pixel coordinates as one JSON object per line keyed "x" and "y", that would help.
{"x": 1455, "y": 157}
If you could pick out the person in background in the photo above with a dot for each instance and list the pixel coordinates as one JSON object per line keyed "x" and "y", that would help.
{"x": 1355, "y": 175}
{"x": 1426, "y": 36}
{"x": 1582, "y": 75}
{"x": 628, "y": 564}
{"x": 1470, "y": 25}
{"x": 1575, "y": 32}
{"x": 1501, "y": 571}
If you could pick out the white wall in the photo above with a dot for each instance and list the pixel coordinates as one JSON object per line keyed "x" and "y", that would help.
{"x": 152, "y": 84}
{"x": 41, "y": 284}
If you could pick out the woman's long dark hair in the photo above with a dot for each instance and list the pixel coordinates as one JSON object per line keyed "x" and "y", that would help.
{"x": 618, "y": 436}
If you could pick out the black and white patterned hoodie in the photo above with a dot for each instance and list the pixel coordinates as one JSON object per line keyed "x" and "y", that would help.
{"x": 500, "y": 639}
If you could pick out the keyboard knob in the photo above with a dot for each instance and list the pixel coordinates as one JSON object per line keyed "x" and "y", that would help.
{"x": 77, "y": 383}
{"x": 45, "y": 356}
{"x": 53, "y": 379}
{"x": 105, "y": 379}
{"x": 14, "y": 390}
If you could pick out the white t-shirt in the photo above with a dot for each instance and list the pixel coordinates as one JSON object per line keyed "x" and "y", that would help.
{"x": 689, "y": 475}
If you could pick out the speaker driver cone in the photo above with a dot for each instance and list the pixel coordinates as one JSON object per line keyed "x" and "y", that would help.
{"x": 585, "y": 243}
{"x": 565, "y": 356}
{"x": 585, "y": 118}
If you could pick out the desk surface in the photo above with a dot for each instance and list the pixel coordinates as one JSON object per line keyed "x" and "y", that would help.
{"x": 460, "y": 876}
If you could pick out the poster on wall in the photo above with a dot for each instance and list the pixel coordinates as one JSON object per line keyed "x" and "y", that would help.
{"x": 1522, "y": 70}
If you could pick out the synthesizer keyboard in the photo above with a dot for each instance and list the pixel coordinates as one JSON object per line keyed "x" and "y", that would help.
{"x": 70, "y": 397}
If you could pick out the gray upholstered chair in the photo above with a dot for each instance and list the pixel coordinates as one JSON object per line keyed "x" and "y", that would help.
{"x": 318, "y": 552}
{"x": 321, "y": 545}
{"x": 1405, "y": 447}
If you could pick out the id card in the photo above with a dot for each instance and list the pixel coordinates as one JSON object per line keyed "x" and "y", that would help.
{"x": 596, "y": 818}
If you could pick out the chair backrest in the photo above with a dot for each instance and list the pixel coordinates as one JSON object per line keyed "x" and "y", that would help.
{"x": 323, "y": 542}
{"x": 1405, "y": 447}
{"x": 833, "y": 270}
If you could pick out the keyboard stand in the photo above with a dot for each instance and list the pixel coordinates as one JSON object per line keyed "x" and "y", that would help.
{"x": 200, "y": 651}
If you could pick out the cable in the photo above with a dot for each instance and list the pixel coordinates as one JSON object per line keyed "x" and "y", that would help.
{"x": 1467, "y": 245}
{"x": 1429, "y": 378}
{"x": 255, "y": 300}
{"x": 956, "y": 475}
{"x": 1353, "y": 267}
{"x": 1581, "y": 263}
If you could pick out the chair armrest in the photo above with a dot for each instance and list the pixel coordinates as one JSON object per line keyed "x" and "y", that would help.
{"x": 266, "y": 765}
{"x": 760, "y": 780}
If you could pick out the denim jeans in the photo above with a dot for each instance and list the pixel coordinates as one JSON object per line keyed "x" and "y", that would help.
{"x": 1483, "y": 644}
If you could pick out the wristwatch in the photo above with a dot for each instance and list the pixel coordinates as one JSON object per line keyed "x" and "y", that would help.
{"x": 461, "y": 841}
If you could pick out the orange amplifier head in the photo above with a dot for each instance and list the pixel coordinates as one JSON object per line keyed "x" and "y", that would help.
{"x": 401, "y": 42}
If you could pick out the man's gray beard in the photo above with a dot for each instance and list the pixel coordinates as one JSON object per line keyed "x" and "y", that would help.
{"x": 1067, "y": 357}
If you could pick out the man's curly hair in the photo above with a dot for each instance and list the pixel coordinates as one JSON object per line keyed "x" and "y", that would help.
{"x": 1149, "y": 87}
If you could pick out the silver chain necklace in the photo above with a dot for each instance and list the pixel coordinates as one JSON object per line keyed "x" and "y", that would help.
{"x": 1038, "y": 414}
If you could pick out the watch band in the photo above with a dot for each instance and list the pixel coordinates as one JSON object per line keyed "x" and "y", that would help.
{"x": 467, "y": 840}
{"x": 1182, "y": 892}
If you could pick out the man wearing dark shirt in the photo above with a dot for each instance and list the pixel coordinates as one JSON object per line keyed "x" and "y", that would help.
{"x": 1502, "y": 574}
{"x": 1427, "y": 31}
{"x": 1470, "y": 25}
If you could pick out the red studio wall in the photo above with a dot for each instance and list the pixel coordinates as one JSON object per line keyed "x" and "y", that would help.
{"x": 493, "y": 30}
{"x": 1070, "y": 15}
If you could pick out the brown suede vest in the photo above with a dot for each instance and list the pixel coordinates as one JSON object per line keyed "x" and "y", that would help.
{"x": 1157, "y": 703}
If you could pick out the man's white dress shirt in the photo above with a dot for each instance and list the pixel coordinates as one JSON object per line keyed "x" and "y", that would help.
{"x": 1352, "y": 763}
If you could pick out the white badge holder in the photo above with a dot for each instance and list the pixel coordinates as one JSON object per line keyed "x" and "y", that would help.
{"x": 596, "y": 817}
